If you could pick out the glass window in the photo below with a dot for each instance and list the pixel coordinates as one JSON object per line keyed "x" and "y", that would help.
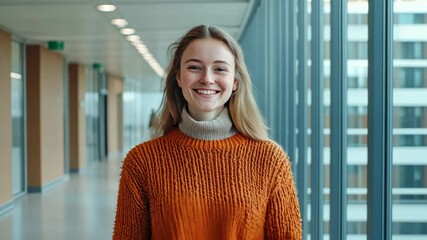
{"x": 409, "y": 117}
{"x": 357, "y": 50}
{"x": 137, "y": 109}
{"x": 410, "y": 50}
{"x": 410, "y": 77}
{"x": 357, "y": 19}
{"x": 410, "y": 18}
{"x": 410, "y": 140}
{"x": 409, "y": 172}
{"x": 92, "y": 115}
{"x": 357, "y": 152}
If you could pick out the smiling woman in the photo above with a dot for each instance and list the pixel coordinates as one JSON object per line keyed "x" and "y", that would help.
{"x": 206, "y": 78}
{"x": 212, "y": 172}
{"x": 241, "y": 104}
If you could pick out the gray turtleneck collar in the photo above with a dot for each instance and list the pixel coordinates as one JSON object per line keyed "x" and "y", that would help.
{"x": 219, "y": 128}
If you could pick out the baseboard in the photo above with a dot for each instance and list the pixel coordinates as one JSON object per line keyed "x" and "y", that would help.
{"x": 48, "y": 186}
{"x": 6, "y": 207}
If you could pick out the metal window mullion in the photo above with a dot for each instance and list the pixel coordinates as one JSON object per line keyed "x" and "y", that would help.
{"x": 291, "y": 85}
{"x": 271, "y": 66}
{"x": 380, "y": 100}
{"x": 282, "y": 69}
{"x": 317, "y": 78}
{"x": 338, "y": 163}
{"x": 302, "y": 112}
{"x": 266, "y": 63}
{"x": 277, "y": 87}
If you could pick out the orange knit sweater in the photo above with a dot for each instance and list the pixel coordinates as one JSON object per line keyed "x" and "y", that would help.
{"x": 178, "y": 187}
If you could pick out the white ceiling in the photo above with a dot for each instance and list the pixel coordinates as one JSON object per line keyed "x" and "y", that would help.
{"x": 89, "y": 37}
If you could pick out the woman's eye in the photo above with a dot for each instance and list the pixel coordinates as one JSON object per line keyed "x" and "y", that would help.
{"x": 194, "y": 67}
{"x": 220, "y": 69}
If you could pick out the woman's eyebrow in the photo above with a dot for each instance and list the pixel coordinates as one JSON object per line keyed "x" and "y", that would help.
{"x": 193, "y": 60}
{"x": 199, "y": 61}
{"x": 222, "y": 61}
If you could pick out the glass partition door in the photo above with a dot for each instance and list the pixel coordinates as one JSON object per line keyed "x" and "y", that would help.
{"x": 18, "y": 127}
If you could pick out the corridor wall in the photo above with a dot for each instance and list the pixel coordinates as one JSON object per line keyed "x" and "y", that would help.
{"x": 45, "y": 118}
{"x": 115, "y": 115}
{"x": 77, "y": 117}
{"x": 5, "y": 122}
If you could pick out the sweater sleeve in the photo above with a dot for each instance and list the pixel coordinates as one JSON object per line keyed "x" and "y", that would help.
{"x": 283, "y": 213}
{"x": 132, "y": 213}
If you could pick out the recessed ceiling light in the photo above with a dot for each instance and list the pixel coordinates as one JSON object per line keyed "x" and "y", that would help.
{"x": 119, "y": 22}
{"x": 137, "y": 43}
{"x": 148, "y": 57}
{"x": 106, "y": 8}
{"x": 127, "y": 31}
{"x": 133, "y": 38}
{"x": 140, "y": 46}
{"x": 142, "y": 51}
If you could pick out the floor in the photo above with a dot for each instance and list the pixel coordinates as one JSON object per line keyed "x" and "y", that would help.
{"x": 82, "y": 207}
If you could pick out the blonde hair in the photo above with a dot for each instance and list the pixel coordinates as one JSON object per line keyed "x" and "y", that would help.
{"x": 242, "y": 107}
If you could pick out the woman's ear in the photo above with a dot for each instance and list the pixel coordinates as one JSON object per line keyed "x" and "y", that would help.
{"x": 177, "y": 79}
{"x": 235, "y": 85}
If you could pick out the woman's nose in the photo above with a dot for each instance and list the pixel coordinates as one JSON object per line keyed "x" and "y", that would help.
{"x": 207, "y": 78}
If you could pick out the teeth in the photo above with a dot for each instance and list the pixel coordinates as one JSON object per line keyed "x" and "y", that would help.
{"x": 206, "y": 92}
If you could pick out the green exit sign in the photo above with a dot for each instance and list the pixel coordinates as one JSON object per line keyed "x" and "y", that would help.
{"x": 97, "y": 66}
{"x": 55, "y": 45}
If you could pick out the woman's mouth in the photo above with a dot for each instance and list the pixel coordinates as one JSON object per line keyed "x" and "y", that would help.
{"x": 206, "y": 92}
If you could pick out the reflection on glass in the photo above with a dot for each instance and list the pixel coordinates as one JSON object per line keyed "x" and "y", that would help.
{"x": 137, "y": 108}
{"x": 17, "y": 83}
{"x": 409, "y": 172}
{"x": 357, "y": 118}
{"x": 92, "y": 115}
{"x": 326, "y": 119}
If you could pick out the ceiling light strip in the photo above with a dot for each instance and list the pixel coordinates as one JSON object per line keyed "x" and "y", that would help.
{"x": 134, "y": 39}
{"x": 119, "y": 22}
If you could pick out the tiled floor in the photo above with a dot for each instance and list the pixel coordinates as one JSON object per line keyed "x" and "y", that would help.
{"x": 81, "y": 208}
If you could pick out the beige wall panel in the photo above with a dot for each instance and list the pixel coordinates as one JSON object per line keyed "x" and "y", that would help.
{"x": 77, "y": 121}
{"x": 115, "y": 89}
{"x": 5, "y": 118}
{"x": 33, "y": 116}
{"x": 45, "y": 121}
{"x": 52, "y": 115}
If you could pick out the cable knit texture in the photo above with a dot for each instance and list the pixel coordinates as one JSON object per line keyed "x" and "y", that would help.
{"x": 181, "y": 187}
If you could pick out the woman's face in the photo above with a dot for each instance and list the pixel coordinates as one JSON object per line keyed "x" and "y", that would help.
{"x": 206, "y": 77}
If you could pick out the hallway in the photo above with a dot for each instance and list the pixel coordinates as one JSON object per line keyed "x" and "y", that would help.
{"x": 81, "y": 208}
